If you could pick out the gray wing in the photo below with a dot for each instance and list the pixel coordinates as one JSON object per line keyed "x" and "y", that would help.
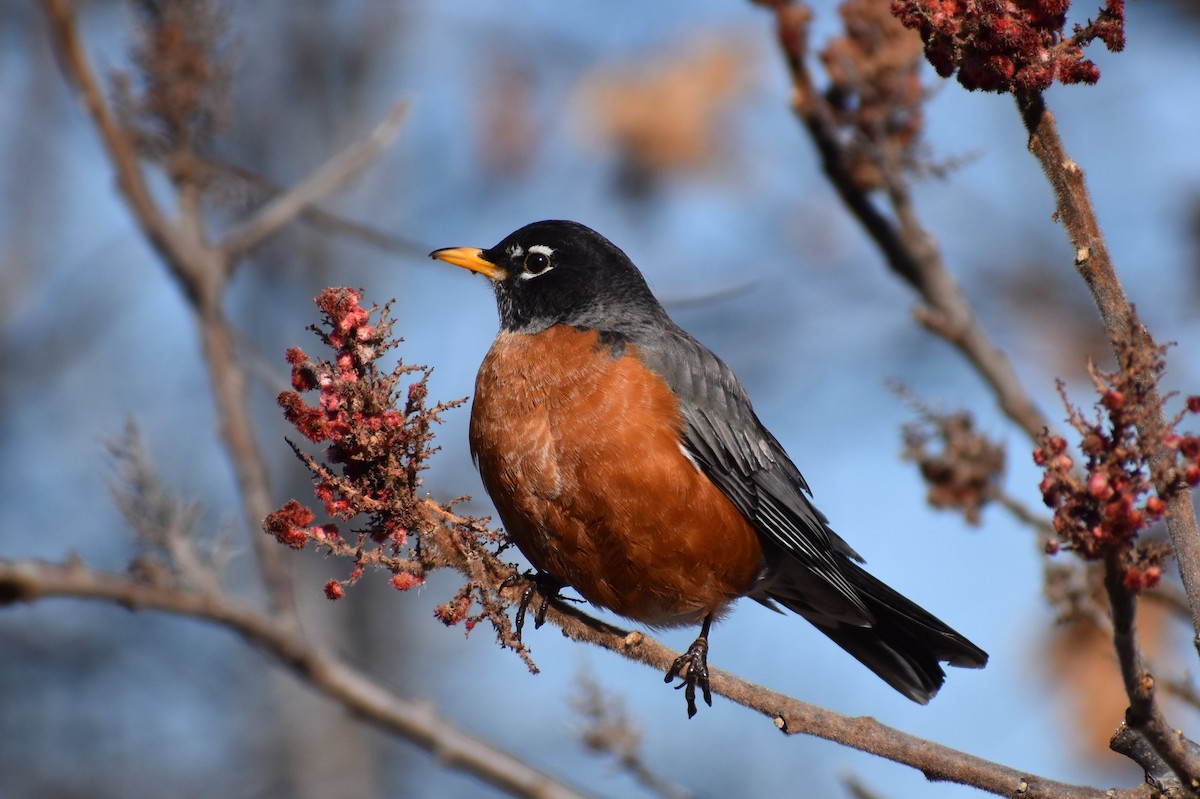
{"x": 805, "y": 559}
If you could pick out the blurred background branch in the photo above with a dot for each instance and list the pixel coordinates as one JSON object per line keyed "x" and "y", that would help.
{"x": 417, "y": 722}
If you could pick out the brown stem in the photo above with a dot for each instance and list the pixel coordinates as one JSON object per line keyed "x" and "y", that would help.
{"x": 286, "y": 206}
{"x": 1074, "y": 208}
{"x": 1143, "y": 714}
{"x": 912, "y": 253}
{"x": 1075, "y": 211}
{"x": 29, "y": 581}
{"x": 228, "y": 379}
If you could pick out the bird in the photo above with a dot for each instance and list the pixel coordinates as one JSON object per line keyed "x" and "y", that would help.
{"x": 625, "y": 460}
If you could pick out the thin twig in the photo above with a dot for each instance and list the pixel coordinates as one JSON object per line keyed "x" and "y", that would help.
{"x": 228, "y": 378}
{"x": 317, "y": 216}
{"x": 29, "y": 581}
{"x": 335, "y": 171}
{"x": 608, "y": 730}
{"x": 1184, "y": 689}
{"x": 859, "y": 789}
{"x": 1169, "y": 596}
{"x": 1025, "y": 514}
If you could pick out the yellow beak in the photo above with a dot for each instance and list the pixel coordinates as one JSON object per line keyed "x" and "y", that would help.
{"x": 470, "y": 258}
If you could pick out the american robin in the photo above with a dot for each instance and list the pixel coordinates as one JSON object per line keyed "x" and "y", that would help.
{"x": 626, "y": 461}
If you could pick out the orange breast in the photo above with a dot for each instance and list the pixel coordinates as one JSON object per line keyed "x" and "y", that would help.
{"x": 581, "y": 453}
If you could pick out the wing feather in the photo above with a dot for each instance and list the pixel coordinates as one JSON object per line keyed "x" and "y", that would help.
{"x": 732, "y": 447}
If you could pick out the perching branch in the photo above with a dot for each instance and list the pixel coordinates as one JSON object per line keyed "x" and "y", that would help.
{"x": 29, "y": 581}
{"x": 936, "y": 761}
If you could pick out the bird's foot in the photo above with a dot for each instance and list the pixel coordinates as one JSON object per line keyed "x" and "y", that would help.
{"x": 692, "y": 668}
{"x": 537, "y": 583}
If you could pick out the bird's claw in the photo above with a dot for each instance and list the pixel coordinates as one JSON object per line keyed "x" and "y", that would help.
{"x": 539, "y": 583}
{"x": 692, "y": 668}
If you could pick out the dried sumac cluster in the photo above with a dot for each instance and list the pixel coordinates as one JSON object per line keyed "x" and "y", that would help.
{"x": 960, "y": 465}
{"x": 1007, "y": 45}
{"x": 1123, "y": 486}
{"x": 376, "y": 428}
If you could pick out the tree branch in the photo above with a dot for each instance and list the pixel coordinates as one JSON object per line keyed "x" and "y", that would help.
{"x": 203, "y": 271}
{"x": 1144, "y": 714}
{"x": 909, "y": 249}
{"x": 936, "y": 761}
{"x": 913, "y": 254}
{"x": 314, "y": 214}
{"x": 30, "y": 581}
{"x": 1075, "y": 211}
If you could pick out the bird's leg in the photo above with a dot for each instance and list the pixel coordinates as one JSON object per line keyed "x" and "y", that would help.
{"x": 539, "y": 582}
{"x": 692, "y": 668}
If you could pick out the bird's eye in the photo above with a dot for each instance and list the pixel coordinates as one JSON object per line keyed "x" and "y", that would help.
{"x": 536, "y": 263}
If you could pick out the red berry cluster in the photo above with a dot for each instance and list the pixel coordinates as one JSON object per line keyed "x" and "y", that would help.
{"x": 1002, "y": 45}
{"x": 458, "y": 610}
{"x": 375, "y": 451}
{"x": 376, "y": 426}
{"x": 1100, "y": 511}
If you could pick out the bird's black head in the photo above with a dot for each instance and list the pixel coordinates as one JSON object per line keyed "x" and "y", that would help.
{"x": 556, "y": 272}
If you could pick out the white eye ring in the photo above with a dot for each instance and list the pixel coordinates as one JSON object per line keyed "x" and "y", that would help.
{"x": 538, "y": 261}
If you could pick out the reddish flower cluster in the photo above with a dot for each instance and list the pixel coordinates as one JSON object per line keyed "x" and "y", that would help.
{"x": 1100, "y": 512}
{"x": 1002, "y": 45}
{"x": 375, "y": 452}
{"x": 457, "y": 610}
{"x": 377, "y": 431}
{"x": 290, "y": 524}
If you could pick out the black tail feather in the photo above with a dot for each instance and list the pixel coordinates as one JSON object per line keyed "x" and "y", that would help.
{"x": 904, "y": 644}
